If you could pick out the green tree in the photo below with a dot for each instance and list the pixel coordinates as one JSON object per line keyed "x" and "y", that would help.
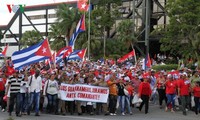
{"x": 1, "y": 35}
{"x": 125, "y": 33}
{"x": 105, "y": 14}
{"x": 67, "y": 19}
{"x": 57, "y": 39}
{"x": 182, "y": 34}
{"x": 30, "y": 38}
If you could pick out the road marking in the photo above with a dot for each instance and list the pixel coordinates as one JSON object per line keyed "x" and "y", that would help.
{"x": 81, "y": 118}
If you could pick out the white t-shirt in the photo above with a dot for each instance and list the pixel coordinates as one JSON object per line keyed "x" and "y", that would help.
{"x": 50, "y": 87}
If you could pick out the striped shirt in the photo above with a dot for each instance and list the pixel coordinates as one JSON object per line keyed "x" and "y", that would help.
{"x": 15, "y": 84}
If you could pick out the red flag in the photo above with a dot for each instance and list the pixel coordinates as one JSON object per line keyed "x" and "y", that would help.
{"x": 68, "y": 52}
{"x": 44, "y": 50}
{"x": 53, "y": 57}
{"x": 5, "y": 50}
{"x": 129, "y": 55}
{"x": 148, "y": 63}
{"x": 81, "y": 54}
{"x": 82, "y": 26}
{"x": 83, "y": 5}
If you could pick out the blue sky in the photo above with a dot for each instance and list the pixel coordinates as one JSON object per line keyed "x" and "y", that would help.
{"x": 5, "y": 16}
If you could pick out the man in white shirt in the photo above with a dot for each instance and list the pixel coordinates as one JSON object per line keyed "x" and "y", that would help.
{"x": 35, "y": 84}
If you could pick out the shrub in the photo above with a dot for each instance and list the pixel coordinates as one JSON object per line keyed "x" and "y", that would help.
{"x": 165, "y": 67}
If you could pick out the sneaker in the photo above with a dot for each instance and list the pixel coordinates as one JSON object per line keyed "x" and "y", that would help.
{"x": 106, "y": 114}
{"x": 166, "y": 109}
{"x": 3, "y": 110}
{"x": 172, "y": 110}
{"x": 184, "y": 113}
{"x": 123, "y": 113}
{"x": 37, "y": 114}
{"x": 114, "y": 114}
{"x": 111, "y": 114}
{"x": 131, "y": 113}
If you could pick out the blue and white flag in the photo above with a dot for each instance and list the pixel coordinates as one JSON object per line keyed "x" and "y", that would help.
{"x": 27, "y": 56}
{"x": 79, "y": 28}
{"x": 77, "y": 55}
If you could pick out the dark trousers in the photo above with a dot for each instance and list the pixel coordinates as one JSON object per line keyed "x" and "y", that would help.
{"x": 71, "y": 107}
{"x": 197, "y": 102}
{"x": 162, "y": 96}
{"x": 112, "y": 103}
{"x": 13, "y": 97}
{"x": 2, "y": 102}
{"x": 145, "y": 101}
{"x": 185, "y": 101}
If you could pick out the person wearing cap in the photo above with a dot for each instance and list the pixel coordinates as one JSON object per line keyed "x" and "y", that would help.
{"x": 14, "y": 86}
{"x": 144, "y": 93}
{"x": 171, "y": 86}
{"x": 51, "y": 91}
{"x": 196, "y": 93}
{"x": 184, "y": 91}
{"x": 35, "y": 87}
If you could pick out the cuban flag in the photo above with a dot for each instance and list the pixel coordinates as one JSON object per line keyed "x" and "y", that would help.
{"x": 77, "y": 55}
{"x": 146, "y": 62}
{"x": 79, "y": 28}
{"x": 61, "y": 53}
{"x": 3, "y": 53}
{"x": 30, "y": 55}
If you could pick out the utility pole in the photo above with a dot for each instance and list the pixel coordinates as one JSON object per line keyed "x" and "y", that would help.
{"x": 89, "y": 32}
{"x": 147, "y": 26}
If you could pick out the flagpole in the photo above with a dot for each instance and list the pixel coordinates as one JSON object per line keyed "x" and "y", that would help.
{"x": 4, "y": 38}
{"x": 134, "y": 55}
{"x": 89, "y": 31}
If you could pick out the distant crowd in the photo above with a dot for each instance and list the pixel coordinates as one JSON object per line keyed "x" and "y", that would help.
{"x": 36, "y": 88}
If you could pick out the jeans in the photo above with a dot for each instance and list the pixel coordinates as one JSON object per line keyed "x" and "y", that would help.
{"x": 34, "y": 97}
{"x": 171, "y": 99}
{"x": 14, "y": 96}
{"x": 24, "y": 102}
{"x": 121, "y": 100}
{"x": 52, "y": 102}
{"x": 127, "y": 98}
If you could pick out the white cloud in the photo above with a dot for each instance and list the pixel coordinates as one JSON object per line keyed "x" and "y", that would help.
{"x": 6, "y": 16}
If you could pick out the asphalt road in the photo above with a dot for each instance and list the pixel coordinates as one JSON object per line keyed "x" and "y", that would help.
{"x": 154, "y": 114}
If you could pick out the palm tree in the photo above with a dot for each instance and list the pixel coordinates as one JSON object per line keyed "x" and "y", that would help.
{"x": 30, "y": 38}
{"x": 125, "y": 33}
{"x": 57, "y": 40}
{"x": 67, "y": 19}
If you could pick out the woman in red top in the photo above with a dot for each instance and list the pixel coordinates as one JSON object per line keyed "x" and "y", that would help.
{"x": 145, "y": 93}
{"x": 2, "y": 92}
{"x": 196, "y": 93}
{"x": 170, "y": 92}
